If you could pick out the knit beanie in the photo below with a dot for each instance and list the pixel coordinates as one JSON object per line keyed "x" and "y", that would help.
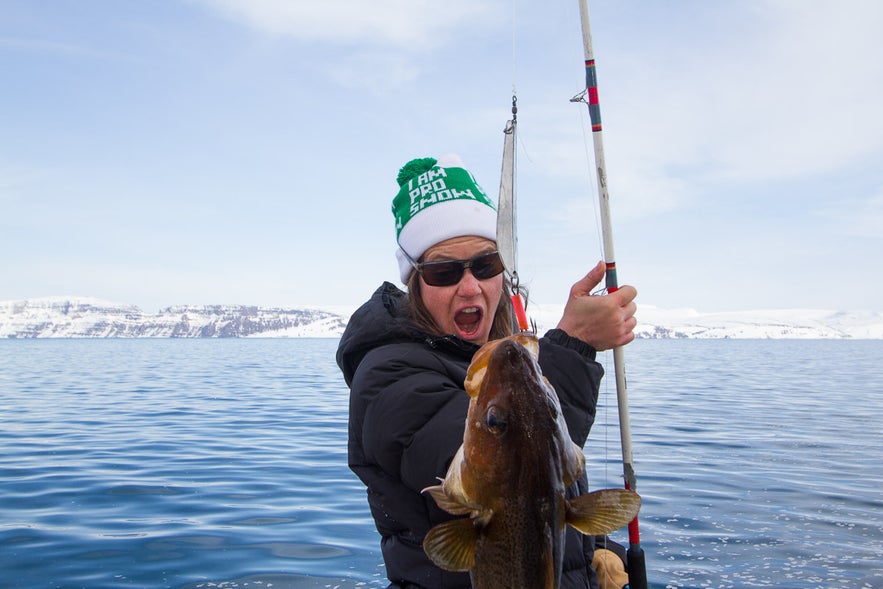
{"x": 438, "y": 200}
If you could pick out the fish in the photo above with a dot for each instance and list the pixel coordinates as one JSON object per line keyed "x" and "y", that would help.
{"x": 510, "y": 476}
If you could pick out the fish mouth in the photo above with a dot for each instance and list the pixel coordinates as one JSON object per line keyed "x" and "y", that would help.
{"x": 469, "y": 320}
{"x": 512, "y": 355}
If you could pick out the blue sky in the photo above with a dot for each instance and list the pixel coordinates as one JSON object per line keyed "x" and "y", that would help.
{"x": 245, "y": 151}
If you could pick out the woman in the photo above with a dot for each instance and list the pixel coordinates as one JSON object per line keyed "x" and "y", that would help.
{"x": 405, "y": 357}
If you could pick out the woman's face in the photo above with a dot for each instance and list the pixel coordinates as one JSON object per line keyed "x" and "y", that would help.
{"x": 465, "y": 309}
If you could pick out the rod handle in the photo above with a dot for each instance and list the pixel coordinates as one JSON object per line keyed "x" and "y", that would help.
{"x": 637, "y": 567}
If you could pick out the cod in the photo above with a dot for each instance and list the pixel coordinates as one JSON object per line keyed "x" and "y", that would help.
{"x": 510, "y": 477}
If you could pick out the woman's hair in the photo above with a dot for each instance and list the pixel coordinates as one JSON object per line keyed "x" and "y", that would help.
{"x": 502, "y": 326}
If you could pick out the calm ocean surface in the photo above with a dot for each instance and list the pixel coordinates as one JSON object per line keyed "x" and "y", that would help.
{"x": 222, "y": 463}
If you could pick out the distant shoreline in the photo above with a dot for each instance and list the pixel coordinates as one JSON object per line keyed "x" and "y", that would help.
{"x": 85, "y": 318}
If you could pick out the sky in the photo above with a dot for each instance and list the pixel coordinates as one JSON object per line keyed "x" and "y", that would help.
{"x": 245, "y": 151}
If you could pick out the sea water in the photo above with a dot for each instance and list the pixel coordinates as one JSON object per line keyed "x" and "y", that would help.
{"x": 222, "y": 463}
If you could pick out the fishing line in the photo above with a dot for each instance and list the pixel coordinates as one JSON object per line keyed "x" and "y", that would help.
{"x": 520, "y": 137}
{"x": 606, "y": 365}
{"x": 514, "y": 25}
{"x": 514, "y": 51}
{"x": 589, "y": 159}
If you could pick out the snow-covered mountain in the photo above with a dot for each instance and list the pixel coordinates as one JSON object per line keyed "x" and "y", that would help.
{"x": 795, "y": 323}
{"x": 63, "y": 317}
{"x": 656, "y": 323}
{"x": 79, "y": 317}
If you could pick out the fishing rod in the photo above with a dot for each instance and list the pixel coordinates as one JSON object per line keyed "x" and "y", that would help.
{"x": 637, "y": 568}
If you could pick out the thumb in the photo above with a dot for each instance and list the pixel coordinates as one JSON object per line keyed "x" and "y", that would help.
{"x": 589, "y": 282}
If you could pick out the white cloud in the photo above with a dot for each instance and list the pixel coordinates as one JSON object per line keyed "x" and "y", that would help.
{"x": 390, "y": 72}
{"x": 779, "y": 91}
{"x": 399, "y": 23}
{"x": 791, "y": 94}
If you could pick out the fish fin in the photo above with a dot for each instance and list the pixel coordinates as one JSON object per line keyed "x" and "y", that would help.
{"x": 451, "y": 545}
{"x": 601, "y": 512}
{"x": 447, "y": 503}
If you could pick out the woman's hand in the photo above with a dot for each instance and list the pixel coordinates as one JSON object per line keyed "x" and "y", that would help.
{"x": 603, "y": 322}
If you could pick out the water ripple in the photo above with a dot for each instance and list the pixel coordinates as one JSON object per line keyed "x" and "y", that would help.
{"x": 191, "y": 463}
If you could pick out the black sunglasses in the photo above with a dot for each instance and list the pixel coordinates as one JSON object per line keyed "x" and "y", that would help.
{"x": 449, "y": 272}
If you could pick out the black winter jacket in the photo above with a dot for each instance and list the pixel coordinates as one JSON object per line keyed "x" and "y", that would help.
{"x": 407, "y": 418}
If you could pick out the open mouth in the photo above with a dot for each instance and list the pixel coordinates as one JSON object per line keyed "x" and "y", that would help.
{"x": 468, "y": 320}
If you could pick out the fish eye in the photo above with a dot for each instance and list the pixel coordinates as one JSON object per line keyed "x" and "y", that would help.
{"x": 496, "y": 420}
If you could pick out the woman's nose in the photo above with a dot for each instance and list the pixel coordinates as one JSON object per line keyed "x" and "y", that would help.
{"x": 468, "y": 285}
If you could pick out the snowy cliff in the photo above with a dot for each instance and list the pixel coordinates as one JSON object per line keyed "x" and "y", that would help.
{"x": 84, "y": 317}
